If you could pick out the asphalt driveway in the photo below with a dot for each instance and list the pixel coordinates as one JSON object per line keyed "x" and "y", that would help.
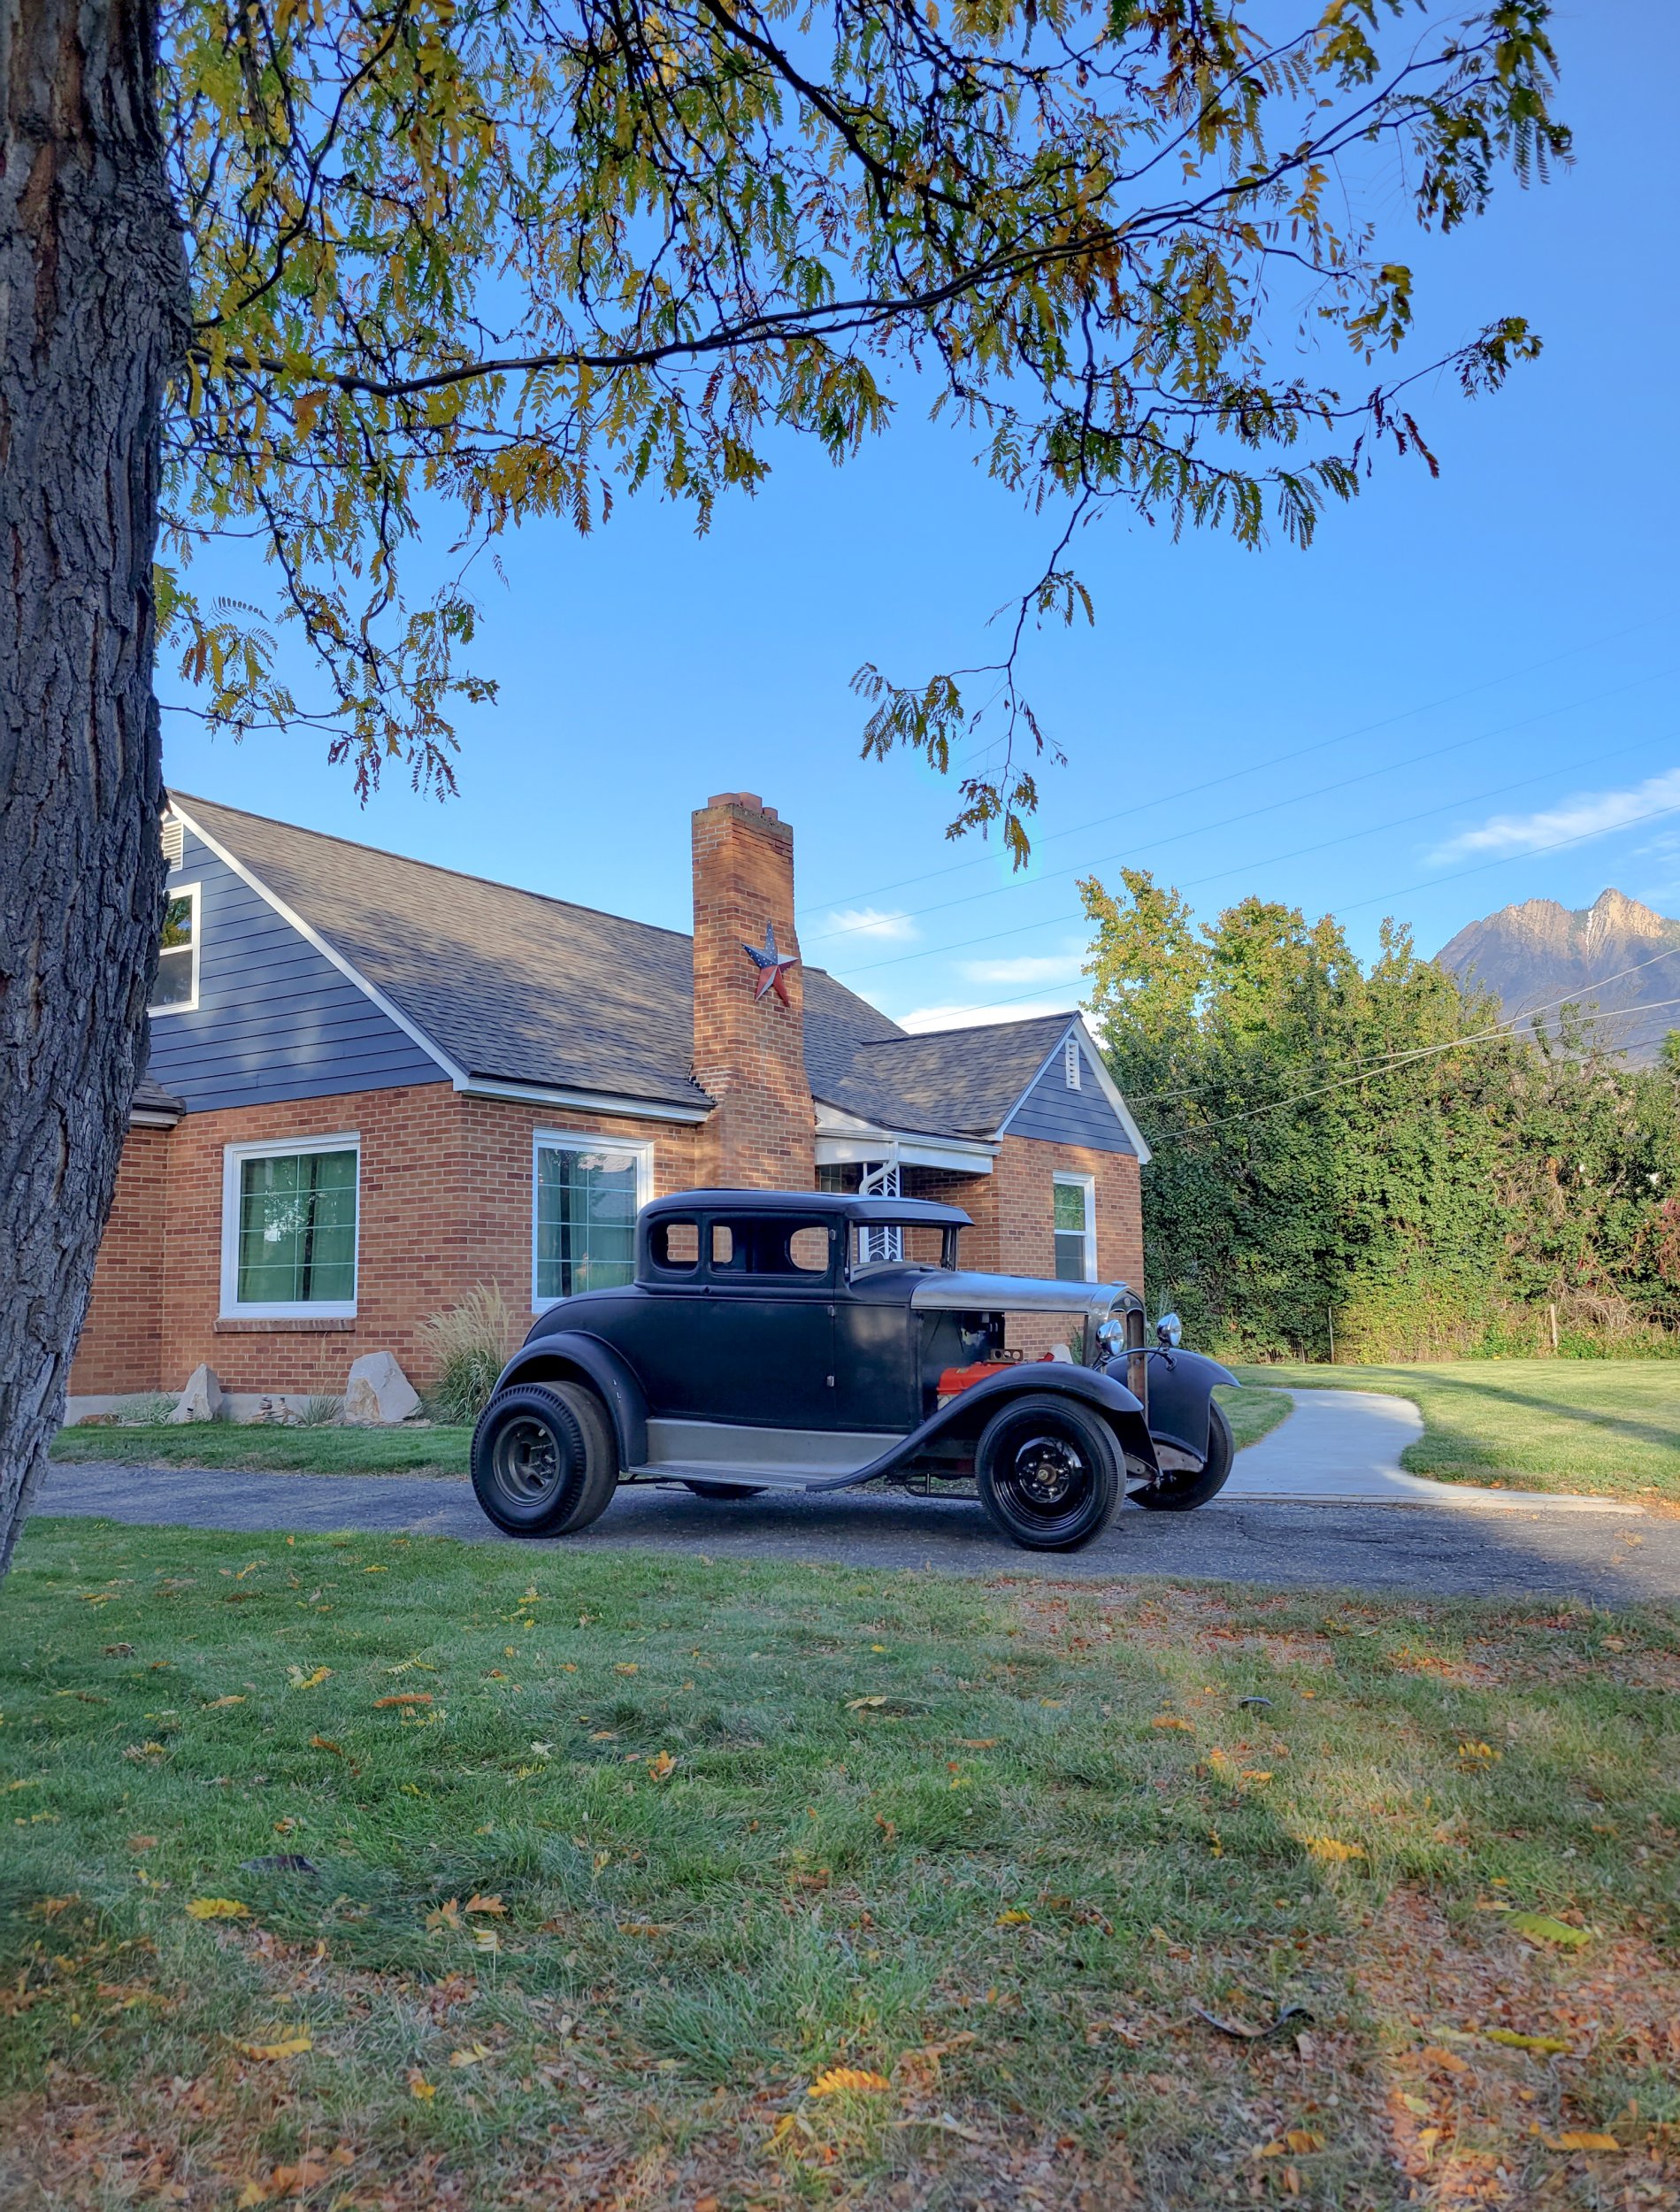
{"x": 1427, "y": 1548}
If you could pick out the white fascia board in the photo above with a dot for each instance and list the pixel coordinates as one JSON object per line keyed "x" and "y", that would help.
{"x": 151, "y": 1117}
{"x": 845, "y": 1141}
{"x": 1105, "y": 1083}
{"x": 391, "y": 1012}
{"x": 582, "y": 1102}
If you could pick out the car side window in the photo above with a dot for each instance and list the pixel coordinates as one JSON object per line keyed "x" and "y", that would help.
{"x": 769, "y": 1247}
{"x": 674, "y": 1247}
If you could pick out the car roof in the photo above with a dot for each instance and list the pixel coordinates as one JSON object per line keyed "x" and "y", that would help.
{"x": 843, "y": 1205}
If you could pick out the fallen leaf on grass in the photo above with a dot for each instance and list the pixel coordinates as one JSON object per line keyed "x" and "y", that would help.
{"x": 218, "y": 1908}
{"x": 978, "y": 1743}
{"x": 661, "y": 1765}
{"x": 143, "y": 1843}
{"x": 474, "y": 2054}
{"x": 1299, "y": 2141}
{"x": 1516, "y": 2042}
{"x": 1332, "y": 1849}
{"x": 475, "y": 1904}
{"x": 1580, "y": 2139}
{"x": 1419, "y": 2105}
{"x": 215, "y": 1704}
{"x": 1437, "y": 2056}
{"x": 644, "y": 1928}
{"x": 301, "y": 1681}
{"x": 418, "y": 2085}
{"x": 1014, "y": 1918}
{"x": 839, "y": 2080}
{"x": 863, "y": 1704}
{"x": 289, "y": 2046}
{"x": 1243, "y": 2031}
{"x": 1478, "y": 1754}
{"x": 487, "y": 1938}
{"x": 626, "y": 1666}
{"x": 1172, "y": 1720}
{"x": 946, "y": 2124}
{"x": 403, "y": 1697}
{"x": 1540, "y": 1927}
{"x": 325, "y": 1743}
{"x": 445, "y": 1916}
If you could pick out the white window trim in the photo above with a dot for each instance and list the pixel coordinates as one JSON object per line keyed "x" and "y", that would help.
{"x": 640, "y": 1150}
{"x": 188, "y": 1005}
{"x": 234, "y": 1156}
{"x": 1088, "y": 1185}
{"x": 1071, "y": 1057}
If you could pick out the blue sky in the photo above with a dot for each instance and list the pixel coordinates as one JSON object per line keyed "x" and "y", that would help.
{"x": 1461, "y": 696}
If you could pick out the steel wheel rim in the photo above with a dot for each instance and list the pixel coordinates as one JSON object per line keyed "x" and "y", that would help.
{"x": 525, "y": 1460}
{"x": 1045, "y": 1478}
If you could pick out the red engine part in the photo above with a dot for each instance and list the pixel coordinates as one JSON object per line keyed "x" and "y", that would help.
{"x": 953, "y": 1379}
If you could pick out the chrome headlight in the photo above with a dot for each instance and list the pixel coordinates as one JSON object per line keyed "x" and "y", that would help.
{"x": 1169, "y": 1329}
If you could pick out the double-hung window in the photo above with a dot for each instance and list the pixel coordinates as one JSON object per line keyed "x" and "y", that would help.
{"x": 289, "y": 1228}
{"x": 1075, "y": 1228}
{"x": 588, "y": 1191}
{"x": 176, "y": 988}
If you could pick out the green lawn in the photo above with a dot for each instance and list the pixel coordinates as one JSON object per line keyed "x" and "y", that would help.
{"x": 1605, "y": 1427}
{"x": 273, "y": 1450}
{"x": 398, "y": 1874}
{"x": 331, "y": 1451}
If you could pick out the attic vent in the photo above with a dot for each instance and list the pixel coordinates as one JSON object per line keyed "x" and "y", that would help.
{"x": 173, "y": 839}
{"x": 1071, "y": 1063}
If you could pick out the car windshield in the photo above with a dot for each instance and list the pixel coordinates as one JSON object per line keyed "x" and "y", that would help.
{"x": 873, "y": 1244}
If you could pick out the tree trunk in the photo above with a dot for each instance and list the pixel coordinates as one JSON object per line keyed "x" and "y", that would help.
{"x": 92, "y": 321}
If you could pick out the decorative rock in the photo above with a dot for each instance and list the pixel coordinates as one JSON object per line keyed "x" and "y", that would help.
{"x": 379, "y": 1391}
{"x": 201, "y": 1401}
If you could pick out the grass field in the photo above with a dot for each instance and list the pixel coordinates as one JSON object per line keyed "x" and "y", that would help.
{"x": 395, "y": 1875}
{"x": 333, "y": 1451}
{"x": 1604, "y": 1427}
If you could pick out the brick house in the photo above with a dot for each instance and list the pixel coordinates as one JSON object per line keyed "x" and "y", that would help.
{"x": 374, "y": 1084}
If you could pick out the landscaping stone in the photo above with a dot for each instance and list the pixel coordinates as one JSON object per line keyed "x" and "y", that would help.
{"x": 201, "y": 1401}
{"x": 379, "y": 1392}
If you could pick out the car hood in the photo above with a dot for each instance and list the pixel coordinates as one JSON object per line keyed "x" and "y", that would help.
{"x": 959, "y": 1290}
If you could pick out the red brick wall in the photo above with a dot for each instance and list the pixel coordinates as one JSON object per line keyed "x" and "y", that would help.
{"x": 445, "y": 1204}
{"x": 749, "y": 1053}
{"x": 122, "y": 1344}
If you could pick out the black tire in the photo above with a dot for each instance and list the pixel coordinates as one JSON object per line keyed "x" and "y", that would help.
{"x": 726, "y": 1493}
{"x": 544, "y": 1461}
{"x": 1183, "y": 1492}
{"x": 1049, "y": 1473}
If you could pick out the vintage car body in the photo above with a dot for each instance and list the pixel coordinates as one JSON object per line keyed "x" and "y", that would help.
{"x": 788, "y": 1340}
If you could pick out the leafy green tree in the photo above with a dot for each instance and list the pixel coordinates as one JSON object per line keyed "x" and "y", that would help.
{"x": 326, "y": 274}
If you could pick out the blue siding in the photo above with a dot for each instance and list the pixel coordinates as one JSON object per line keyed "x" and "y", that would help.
{"x": 1050, "y": 1111}
{"x": 276, "y": 1019}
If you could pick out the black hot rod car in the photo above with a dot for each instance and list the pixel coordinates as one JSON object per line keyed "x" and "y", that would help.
{"x": 804, "y": 1340}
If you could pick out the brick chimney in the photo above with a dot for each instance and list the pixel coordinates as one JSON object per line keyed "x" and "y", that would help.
{"x": 749, "y": 1049}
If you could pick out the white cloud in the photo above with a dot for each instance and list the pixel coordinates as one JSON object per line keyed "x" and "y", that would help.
{"x": 1588, "y": 814}
{"x": 865, "y": 923}
{"x": 925, "y": 1017}
{"x": 1046, "y": 968}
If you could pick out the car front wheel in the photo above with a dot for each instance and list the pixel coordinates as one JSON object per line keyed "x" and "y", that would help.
{"x": 1182, "y": 1492}
{"x": 544, "y": 1459}
{"x": 1048, "y": 1473}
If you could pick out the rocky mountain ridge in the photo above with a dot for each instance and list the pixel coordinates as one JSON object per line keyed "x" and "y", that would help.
{"x": 1532, "y": 955}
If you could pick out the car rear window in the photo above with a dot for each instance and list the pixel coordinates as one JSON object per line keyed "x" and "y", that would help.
{"x": 675, "y": 1247}
{"x": 766, "y": 1246}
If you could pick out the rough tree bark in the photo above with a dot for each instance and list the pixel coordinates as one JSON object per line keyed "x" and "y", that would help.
{"x": 92, "y": 321}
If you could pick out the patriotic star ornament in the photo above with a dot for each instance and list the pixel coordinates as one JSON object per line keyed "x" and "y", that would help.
{"x": 771, "y": 966}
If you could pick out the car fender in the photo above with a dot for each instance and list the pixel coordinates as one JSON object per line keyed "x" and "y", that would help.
{"x": 968, "y": 1413}
{"x": 570, "y": 1356}
{"x": 1181, "y": 1387}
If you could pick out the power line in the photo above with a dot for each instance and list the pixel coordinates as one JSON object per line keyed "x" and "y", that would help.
{"x": 1276, "y": 760}
{"x": 1300, "y": 852}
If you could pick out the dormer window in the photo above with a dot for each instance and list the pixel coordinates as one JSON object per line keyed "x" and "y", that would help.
{"x": 176, "y": 990}
{"x": 1070, "y": 1059}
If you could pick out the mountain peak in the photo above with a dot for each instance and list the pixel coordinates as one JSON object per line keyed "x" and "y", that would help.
{"x": 1536, "y": 953}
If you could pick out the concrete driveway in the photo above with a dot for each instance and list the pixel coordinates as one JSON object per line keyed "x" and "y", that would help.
{"x": 1433, "y": 1548}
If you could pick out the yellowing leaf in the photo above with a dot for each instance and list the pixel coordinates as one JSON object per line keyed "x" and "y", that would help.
{"x": 1475, "y": 1754}
{"x": 325, "y": 1743}
{"x": 863, "y": 1704}
{"x": 218, "y": 1908}
{"x": 418, "y": 2085}
{"x": 626, "y": 1666}
{"x": 302, "y": 1681}
{"x": 1014, "y": 1918}
{"x": 445, "y": 1916}
{"x": 839, "y": 2079}
{"x": 487, "y": 1938}
{"x": 1330, "y": 1848}
{"x": 474, "y": 2054}
{"x": 475, "y": 1904}
{"x": 661, "y": 1765}
{"x": 1516, "y": 2042}
{"x": 643, "y": 1927}
{"x": 1438, "y": 2056}
{"x": 1540, "y": 1927}
{"x": 216, "y": 1703}
{"x": 1255, "y": 1774}
{"x": 1583, "y": 2140}
{"x": 403, "y": 1697}
{"x": 1172, "y": 1720}
{"x": 1419, "y": 2105}
{"x": 289, "y": 2046}
{"x": 1300, "y": 2140}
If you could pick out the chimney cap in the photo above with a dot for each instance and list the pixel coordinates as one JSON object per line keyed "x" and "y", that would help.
{"x": 749, "y": 799}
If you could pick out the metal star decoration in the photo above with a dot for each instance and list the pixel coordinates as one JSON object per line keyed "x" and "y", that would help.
{"x": 771, "y": 965}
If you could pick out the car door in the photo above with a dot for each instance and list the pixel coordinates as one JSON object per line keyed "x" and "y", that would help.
{"x": 761, "y": 1345}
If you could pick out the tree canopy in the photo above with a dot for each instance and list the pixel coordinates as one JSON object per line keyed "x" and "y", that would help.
{"x": 510, "y": 258}
{"x": 1371, "y": 1151}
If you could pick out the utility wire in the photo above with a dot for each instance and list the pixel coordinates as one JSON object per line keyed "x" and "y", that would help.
{"x": 1276, "y": 760}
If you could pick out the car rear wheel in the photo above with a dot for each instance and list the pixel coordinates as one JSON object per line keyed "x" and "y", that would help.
{"x": 544, "y": 1459}
{"x": 726, "y": 1493}
{"x": 1182, "y": 1492}
{"x": 1048, "y": 1473}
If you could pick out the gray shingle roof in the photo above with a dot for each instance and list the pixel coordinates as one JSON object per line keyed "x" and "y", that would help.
{"x": 150, "y": 1097}
{"x": 516, "y": 987}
